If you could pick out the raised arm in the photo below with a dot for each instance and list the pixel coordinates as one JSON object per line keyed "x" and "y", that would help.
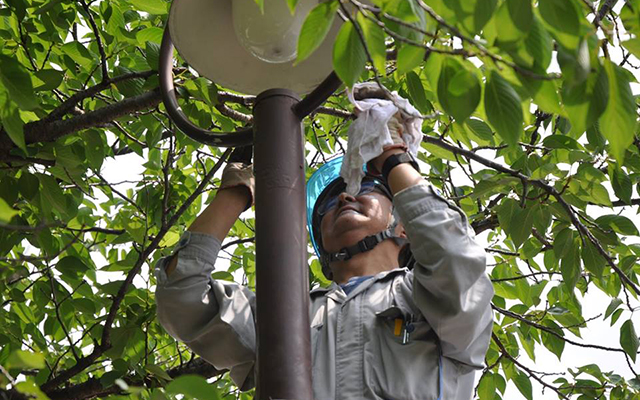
{"x": 214, "y": 318}
{"x": 450, "y": 285}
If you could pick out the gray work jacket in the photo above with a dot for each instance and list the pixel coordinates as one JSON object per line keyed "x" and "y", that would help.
{"x": 404, "y": 334}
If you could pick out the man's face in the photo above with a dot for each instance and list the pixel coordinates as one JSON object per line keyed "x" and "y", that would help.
{"x": 354, "y": 218}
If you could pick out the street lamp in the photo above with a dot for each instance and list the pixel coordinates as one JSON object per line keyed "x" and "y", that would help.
{"x": 223, "y": 41}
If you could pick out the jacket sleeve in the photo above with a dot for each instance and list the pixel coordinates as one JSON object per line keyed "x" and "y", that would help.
{"x": 214, "y": 318}
{"x": 450, "y": 286}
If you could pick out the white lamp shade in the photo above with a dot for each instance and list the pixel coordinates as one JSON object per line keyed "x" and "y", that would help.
{"x": 203, "y": 32}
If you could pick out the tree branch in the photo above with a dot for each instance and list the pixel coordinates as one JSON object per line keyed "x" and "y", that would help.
{"x": 531, "y": 373}
{"x": 96, "y": 32}
{"x": 40, "y": 131}
{"x": 94, "y": 388}
{"x": 105, "y": 342}
{"x": 547, "y": 188}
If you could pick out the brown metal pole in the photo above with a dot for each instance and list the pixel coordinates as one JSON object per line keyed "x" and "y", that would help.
{"x": 282, "y": 277}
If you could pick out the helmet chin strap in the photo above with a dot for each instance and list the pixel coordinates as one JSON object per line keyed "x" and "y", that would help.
{"x": 366, "y": 244}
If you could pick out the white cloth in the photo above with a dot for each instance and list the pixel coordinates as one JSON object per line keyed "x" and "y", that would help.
{"x": 369, "y": 134}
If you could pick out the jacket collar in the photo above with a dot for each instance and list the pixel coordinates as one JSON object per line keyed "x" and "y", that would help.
{"x": 335, "y": 292}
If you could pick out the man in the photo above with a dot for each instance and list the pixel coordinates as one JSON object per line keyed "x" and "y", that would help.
{"x": 389, "y": 327}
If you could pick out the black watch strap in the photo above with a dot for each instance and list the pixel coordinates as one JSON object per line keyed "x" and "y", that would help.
{"x": 393, "y": 160}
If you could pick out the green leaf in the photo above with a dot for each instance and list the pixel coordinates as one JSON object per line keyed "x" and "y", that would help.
{"x": 48, "y": 79}
{"x": 51, "y": 193}
{"x": 417, "y": 93}
{"x": 561, "y": 142}
{"x": 629, "y": 339}
{"x": 349, "y": 57}
{"x": 94, "y": 148}
{"x": 593, "y": 261}
{"x": 618, "y": 122}
{"x": 487, "y": 387}
{"x": 153, "y": 35}
{"x": 630, "y": 15}
{"x": 374, "y": 37}
{"x": 13, "y": 125}
{"x": 561, "y": 15}
{"x": 516, "y": 221}
{"x": 459, "y": 90}
{"x": 78, "y": 53}
{"x": 480, "y": 129}
{"x": 618, "y": 223}
{"x": 315, "y": 28}
{"x": 621, "y": 184}
{"x": 552, "y": 342}
{"x": 409, "y": 57}
{"x": 6, "y": 212}
{"x": 539, "y": 45}
{"x": 72, "y": 266}
{"x": 157, "y": 371}
{"x": 562, "y": 243}
{"x": 292, "y": 5}
{"x": 483, "y": 12}
{"x": 615, "y": 303}
{"x": 585, "y": 103}
{"x": 28, "y": 185}
{"x": 25, "y": 360}
{"x": 523, "y": 383}
{"x": 157, "y": 7}
{"x": 152, "y": 54}
{"x": 31, "y": 389}
{"x": 260, "y": 4}
{"x": 193, "y": 386}
{"x": 514, "y": 19}
{"x": 633, "y": 45}
{"x": 17, "y": 83}
{"x": 502, "y": 105}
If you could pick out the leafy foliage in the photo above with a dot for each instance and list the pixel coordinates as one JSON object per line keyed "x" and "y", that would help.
{"x": 531, "y": 130}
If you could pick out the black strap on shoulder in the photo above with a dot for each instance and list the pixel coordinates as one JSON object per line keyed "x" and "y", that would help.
{"x": 362, "y": 246}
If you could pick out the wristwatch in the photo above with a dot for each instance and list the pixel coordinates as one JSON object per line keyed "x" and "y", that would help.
{"x": 393, "y": 160}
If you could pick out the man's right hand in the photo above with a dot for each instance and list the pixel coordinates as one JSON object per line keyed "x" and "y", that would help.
{"x": 239, "y": 172}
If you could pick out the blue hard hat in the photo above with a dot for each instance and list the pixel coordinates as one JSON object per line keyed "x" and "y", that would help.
{"x": 318, "y": 182}
{"x": 321, "y": 182}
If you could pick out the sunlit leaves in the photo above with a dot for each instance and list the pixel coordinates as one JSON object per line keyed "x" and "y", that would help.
{"x": 374, "y": 37}
{"x": 6, "y": 212}
{"x": 78, "y": 53}
{"x": 523, "y": 383}
{"x": 17, "y": 83}
{"x": 560, "y": 14}
{"x": 349, "y": 56}
{"x": 459, "y": 89}
{"x": 315, "y": 28}
{"x": 409, "y": 57}
{"x": 618, "y": 122}
{"x": 630, "y": 15}
{"x": 195, "y": 387}
{"x": 157, "y": 7}
{"x": 152, "y": 34}
{"x": 417, "y": 93}
{"x": 513, "y": 20}
{"x": 516, "y": 221}
{"x": 502, "y": 105}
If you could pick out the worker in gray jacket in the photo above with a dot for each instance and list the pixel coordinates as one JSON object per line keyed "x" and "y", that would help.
{"x": 394, "y": 324}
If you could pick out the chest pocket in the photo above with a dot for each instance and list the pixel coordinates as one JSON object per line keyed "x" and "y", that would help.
{"x": 402, "y": 357}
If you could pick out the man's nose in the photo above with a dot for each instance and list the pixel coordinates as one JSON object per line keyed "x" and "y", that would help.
{"x": 345, "y": 197}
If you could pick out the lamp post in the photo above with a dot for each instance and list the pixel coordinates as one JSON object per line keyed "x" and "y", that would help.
{"x": 218, "y": 39}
